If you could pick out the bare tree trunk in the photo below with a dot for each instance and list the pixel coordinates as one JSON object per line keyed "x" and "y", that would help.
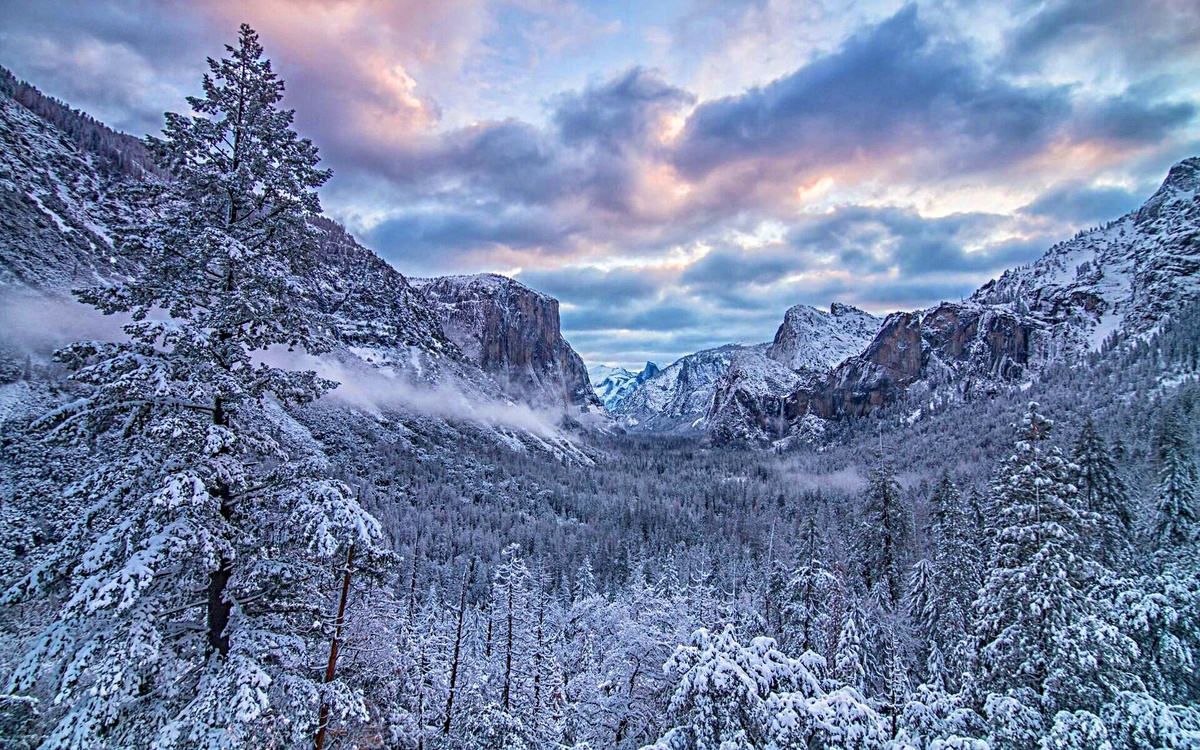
{"x": 323, "y": 717}
{"x": 219, "y": 607}
{"x": 458, "y": 633}
{"x": 508, "y": 646}
{"x": 537, "y": 655}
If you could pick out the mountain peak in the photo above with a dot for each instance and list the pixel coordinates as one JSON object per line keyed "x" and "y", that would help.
{"x": 812, "y": 340}
{"x": 1182, "y": 184}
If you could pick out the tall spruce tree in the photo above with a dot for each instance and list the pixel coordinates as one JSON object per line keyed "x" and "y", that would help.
{"x": 1039, "y": 635}
{"x": 1177, "y": 517}
{"x": 957, "y": 562}
{"x": 207, "y": 532}
{"x": 883, "y": 538}
{"x": 1102, "y": 492}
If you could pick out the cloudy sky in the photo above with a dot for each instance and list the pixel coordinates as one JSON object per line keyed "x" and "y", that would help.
{"x": 679, "y": 172}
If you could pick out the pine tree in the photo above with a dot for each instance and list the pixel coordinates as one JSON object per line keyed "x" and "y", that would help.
{"x": 1177, "y": 518}
{"x": 1036, "y": 626}
{"x": 848, "y": 666}
{"x": 1102, "y": 493}
{"x": 923, "y": 598}
{"x": 957, "y": 562}
{"x": 511, "y": 601}
{"x": 585, "y": 581}
{"x": 811, "y": 598}
{"x": 884, "y": 534}
{"x": 208, "y": 533}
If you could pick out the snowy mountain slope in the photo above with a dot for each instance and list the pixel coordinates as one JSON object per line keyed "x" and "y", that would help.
{"x": 812, "y": 340}
{"x": 613, "y": 384}
{"x": 679, "y": 397}
{"x": 748, "y": 400}
{"x": 512, "y": 332}
{"x": 56, "y": 207}
{"x": 1127, "y": 275}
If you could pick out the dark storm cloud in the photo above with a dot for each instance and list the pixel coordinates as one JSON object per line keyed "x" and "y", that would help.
{"x": 1081, "y": 204}
{"x": 586, "y": 285}
{"x": 873, "y": 240}
{"x": 894, "y": 85}
{"x": 1135, "y": 118}
{"x": 1135, "y": 31}
{"x": 440, "y": 233}
{"x": 863, "y": 241}
{"x": 655, "y": 318}
{"x": 729, "y": 265}
{"x": 618, "y": 113}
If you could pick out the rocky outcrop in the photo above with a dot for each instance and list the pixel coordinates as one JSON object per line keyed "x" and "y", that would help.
{"x": 950, "y": 343}
{"x": 512, "y": 332}
{"x": 749, "y": 400}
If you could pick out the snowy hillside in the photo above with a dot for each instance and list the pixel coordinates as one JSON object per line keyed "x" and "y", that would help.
{"x": 1127, "y": 275}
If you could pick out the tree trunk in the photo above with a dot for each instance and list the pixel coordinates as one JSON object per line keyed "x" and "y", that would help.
{"x": 219, "y": 607}
{"x": 323, "y": 716}
{"x": 458, "y": 633}
{"x": 508, "y": 647}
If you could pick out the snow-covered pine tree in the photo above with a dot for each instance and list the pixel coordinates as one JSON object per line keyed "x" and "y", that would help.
{"x": 811, "y": 598}
{"x": 848, "y": 666}
{"x": 923, "y": 597}
{"x": 957, "y": 562}
{"x": 1163, "y": 610}
{"x": 208, "y": 537}
{"x": 1102, "y": 492}
{"x": 585, "y": 581}
{"x": 1040, "y": 639}
{"x": 1177, "y": 517}
{"x": 511, "y": 611}
{"x": 883, "y": 539}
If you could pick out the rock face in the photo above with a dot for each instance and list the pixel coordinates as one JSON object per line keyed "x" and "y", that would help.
{"x": 950, "y": 343}
{"x": 613, "y": 384}
{"x": 512, "y": 332}
{"x": 749, "y": 401}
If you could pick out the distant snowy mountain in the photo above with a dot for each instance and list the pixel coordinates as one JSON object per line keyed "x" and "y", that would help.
{"x": 736, "y": 392}
{"x": 613, "y": 384}
{"x": 679, "y": 397}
